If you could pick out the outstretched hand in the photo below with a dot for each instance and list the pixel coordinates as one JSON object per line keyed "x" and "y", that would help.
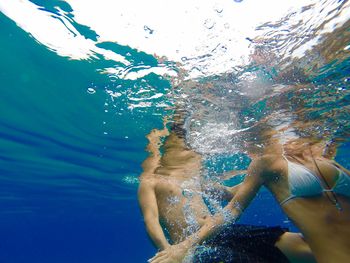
{"x": 173, "y": 254}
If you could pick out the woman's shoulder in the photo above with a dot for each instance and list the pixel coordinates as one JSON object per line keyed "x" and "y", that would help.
{"x": 269, "y": 164}
{"x": 270, "y": 159}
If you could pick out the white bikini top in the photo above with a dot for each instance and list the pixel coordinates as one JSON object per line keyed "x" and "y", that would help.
{"x": 304, "y": 183}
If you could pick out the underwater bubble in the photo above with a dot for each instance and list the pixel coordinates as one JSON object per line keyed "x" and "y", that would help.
{"x": 148, "y": 30}
{"x": 223, "y": 48}
{"x": 209, "y": 24}
{"x": 114, "y": 94}
{"x": 173, "y": 200}
{"x": 218, "y": 9}
{"x": 187, "y": 193}
{"x": 91, "y": 90}
{"x": 228, "y": 217}
{"x": 238, "y": 206}
{"x": 183, "y": 59}
{"x": 130, "y": 179}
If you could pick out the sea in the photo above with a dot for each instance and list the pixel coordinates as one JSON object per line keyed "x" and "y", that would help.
{"x": 84, "y": 82}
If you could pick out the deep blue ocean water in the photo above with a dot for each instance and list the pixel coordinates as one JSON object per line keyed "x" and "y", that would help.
{"x": 62, "y": 194}
{"x": 70, "y": 154}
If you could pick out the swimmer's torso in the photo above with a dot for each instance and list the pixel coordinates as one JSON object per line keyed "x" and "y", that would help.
{"x": 177, "y": 186}
{"x": 180, "y": 204}
{"x": 316, "y": 216}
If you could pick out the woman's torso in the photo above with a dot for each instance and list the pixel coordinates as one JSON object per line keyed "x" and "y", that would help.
{"x": 322, "y": 216}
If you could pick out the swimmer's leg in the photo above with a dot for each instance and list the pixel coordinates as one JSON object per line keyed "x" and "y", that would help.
{"x": 294, "y": 247}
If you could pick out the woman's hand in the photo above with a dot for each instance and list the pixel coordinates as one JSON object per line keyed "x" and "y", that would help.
{"x": 172, "y": 254}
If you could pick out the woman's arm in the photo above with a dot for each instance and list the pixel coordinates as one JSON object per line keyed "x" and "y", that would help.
{"x": 246, "y": 192}
{"x": 230, "y": 174}
{"x": 218, "y": 190}
{"x": 341, "y": 167}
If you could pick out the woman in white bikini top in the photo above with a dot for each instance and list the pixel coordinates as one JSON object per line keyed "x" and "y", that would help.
{"x": 314, "y": 191}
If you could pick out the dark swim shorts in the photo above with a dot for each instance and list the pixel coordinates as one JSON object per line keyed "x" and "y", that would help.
{"x": 242, "y": 244}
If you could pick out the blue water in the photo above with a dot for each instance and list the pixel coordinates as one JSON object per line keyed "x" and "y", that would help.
{"x": 71, "y": 153}
{"x": 63, "y": 198}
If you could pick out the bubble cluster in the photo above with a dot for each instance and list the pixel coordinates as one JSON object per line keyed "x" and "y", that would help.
{"x": 129, "y": 179}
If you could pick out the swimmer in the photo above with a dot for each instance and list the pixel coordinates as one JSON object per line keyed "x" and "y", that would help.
{"x": 171, "y": 199}
{"x": 312, "y": 189}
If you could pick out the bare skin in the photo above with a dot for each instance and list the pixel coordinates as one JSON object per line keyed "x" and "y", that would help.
{"x": 171, "y": 188}
{"x": 318, "y": 217}
{"x": 170, "y": 196}
{"x": 325, "y": 227}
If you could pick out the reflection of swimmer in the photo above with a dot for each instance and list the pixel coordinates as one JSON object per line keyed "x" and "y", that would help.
{"x": 171, "y": 198}
{"x": 262, "y": 54}
{"x": 265, "y": 56}
{"x": 312, "y": 189}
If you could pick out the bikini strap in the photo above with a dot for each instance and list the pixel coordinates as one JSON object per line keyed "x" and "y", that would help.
{"x": 285, "y": 158}
{"x": 328, "y": 189}
{"x": 288, "y": 199}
